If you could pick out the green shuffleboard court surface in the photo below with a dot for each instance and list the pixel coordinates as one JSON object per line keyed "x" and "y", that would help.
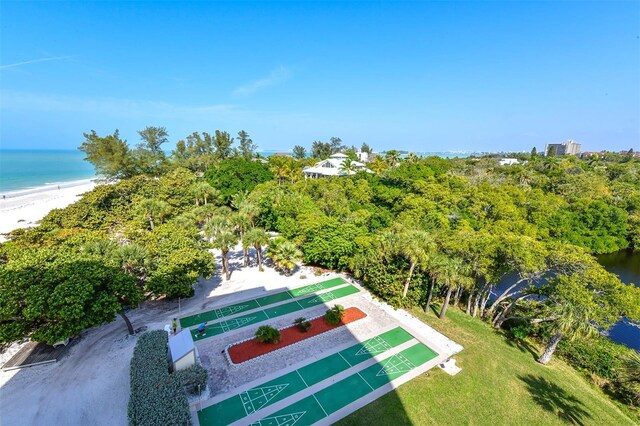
{"x": 248, "y": 305}
{"x": 338, "y": 395}
{"x": 255, "y": 317}
{"x": 239, "y": 406}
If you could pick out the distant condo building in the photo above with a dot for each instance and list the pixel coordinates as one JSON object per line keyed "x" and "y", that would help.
{"x": 567, "y": 148}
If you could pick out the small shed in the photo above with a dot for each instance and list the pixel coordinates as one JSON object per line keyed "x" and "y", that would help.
{"x": 182, "y": 350}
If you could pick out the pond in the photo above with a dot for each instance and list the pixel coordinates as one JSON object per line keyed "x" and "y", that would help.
{"x": 625, "y": 264}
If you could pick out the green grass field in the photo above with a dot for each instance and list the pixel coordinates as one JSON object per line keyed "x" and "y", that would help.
{"x": 500, "y": 383}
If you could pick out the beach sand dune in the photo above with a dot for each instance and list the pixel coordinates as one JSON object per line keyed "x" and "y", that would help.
{"x": 24, "y": 209}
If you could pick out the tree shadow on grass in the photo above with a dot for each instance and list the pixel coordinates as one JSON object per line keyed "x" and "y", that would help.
{"x": 521, "y": 345}
{"x": 555, "y": 399}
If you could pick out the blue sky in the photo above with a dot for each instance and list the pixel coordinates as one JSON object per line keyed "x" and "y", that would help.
{"x": 411, "y": 75}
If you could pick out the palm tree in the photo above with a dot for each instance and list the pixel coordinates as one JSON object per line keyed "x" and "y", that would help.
{"x": 630, "y": 372}
{"x": 454, "y": 273}
{"x": 378, "y": 165}
{"x": 256, "y": 237}
{"x": 348, "y": 166}
{"x": 220, "y": 233}
{"x": 101, "y": 248}
{"x": 570, "y": 320}
{"x": 241, "y": 224}
{"x": 204, "y": 213}
{"x": 134, "y": 259}
{"x": 414, "y": 245}
{"x": 284, "y": 254}
{"x": 154, "y": 210}
{"x": 203, "y": 191}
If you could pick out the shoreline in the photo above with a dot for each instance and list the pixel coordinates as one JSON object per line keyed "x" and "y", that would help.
{"x": 25, "y": 208}
{"x": 47, "y": 186}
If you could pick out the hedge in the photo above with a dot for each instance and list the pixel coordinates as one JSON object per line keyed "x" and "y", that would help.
{"x": 191, "y": 377}
{"x": 157, "y": 398}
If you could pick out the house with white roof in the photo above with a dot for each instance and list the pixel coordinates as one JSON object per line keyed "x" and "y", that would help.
{"x": 509, "y": 161}
{"x": 334, "y": 166}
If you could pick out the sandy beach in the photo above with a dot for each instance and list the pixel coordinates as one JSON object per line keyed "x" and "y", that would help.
{"x": 23, "y": 209}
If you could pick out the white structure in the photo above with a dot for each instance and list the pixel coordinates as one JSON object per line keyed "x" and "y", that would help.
{"x": 333, "y": 166}
{"x": 182, "y": 350}
{"x": 567, "y": 148}
{"x": 509, "y": 161}
{"x": 363, "y": 156}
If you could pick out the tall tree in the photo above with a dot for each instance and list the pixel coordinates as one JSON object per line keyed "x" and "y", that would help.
{"x": 203, "y": 192}
{"x": 109, "y": 155}
{"x": 53, "y": 294}
{"x": 222, "y": 145}
{"x": 256, "y": 238}
{"x": 336, "y": 144}
{"x": 246, "y": 146}
{"x": 366, "y": 148}
{"x": 321, "y": 150}
{"x": 148, "y": 155}
{"x": 219, "y": 230}
{"x": 582, "y": 303}
{"x": 299, "y": 152}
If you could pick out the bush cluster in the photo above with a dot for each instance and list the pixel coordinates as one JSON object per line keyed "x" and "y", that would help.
{"x": 267, "y": 334}
{"x": 192, "y": 377}
{"x": 302, "y": 324}
{"x": 334, "y": 315}
{"x": 603, "y": 358}
{"x": 157, "y": 398}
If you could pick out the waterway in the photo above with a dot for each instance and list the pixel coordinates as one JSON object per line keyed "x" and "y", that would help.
{"x": 625, "y": 264}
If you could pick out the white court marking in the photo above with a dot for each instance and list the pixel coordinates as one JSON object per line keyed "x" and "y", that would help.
{"x": 395, "y": 365}
{"x": 283, "y": 420}
{"x": 256, "y": 398}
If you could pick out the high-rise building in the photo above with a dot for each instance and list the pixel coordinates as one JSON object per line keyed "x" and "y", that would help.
{"x": 567, "y": 148}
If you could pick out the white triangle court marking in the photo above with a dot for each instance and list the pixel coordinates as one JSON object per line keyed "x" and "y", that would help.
{"x": 395, "y": 365}
{"x": 229, "y": 310}
{"x": 374, "y": 346}
{"x": 232, "y": 324}
{"x": 256, "y": 398}
{"x": 283, "y": 420}
{"x": 323, "y": 298}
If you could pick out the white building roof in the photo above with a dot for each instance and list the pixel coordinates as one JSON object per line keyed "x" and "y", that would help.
{"x": 509, "y": 161}
{"x": 332, "y": 166}
{"x": 181, "y": 344}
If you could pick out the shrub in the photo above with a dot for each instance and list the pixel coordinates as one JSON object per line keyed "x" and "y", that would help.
{"x": 302, "y": 324}
{"x": 192, "y": 377}
{"x": 157, "y": 398}
{"x": 600, "y": 355}
{"x": 521, "y": 331}
{"x": 267, "y": 334}
{"x": 334, "y": 315}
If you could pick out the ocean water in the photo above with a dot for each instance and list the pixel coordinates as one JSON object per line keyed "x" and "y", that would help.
{"x": 25, "y": 169}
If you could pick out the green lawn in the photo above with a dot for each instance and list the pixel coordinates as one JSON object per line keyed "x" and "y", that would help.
{"x": 500, "y": 383}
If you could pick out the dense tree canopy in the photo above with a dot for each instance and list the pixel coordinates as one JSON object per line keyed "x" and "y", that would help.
{"x": 416, "y": 231}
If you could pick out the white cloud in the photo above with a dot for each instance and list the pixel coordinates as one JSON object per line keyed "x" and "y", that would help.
{"x": 34, "y": 61}
{"x": 276, "y": 76}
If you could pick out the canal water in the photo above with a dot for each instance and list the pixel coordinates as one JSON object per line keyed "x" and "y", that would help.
{"x": 625, "y": 264}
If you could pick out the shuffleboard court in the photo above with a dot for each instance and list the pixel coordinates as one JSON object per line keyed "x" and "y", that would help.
{"x": 236, "y": 308}
{"x": 328, "y": 400}
{"x": 245, "y": 403}
{"x": 254, "y": 317}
